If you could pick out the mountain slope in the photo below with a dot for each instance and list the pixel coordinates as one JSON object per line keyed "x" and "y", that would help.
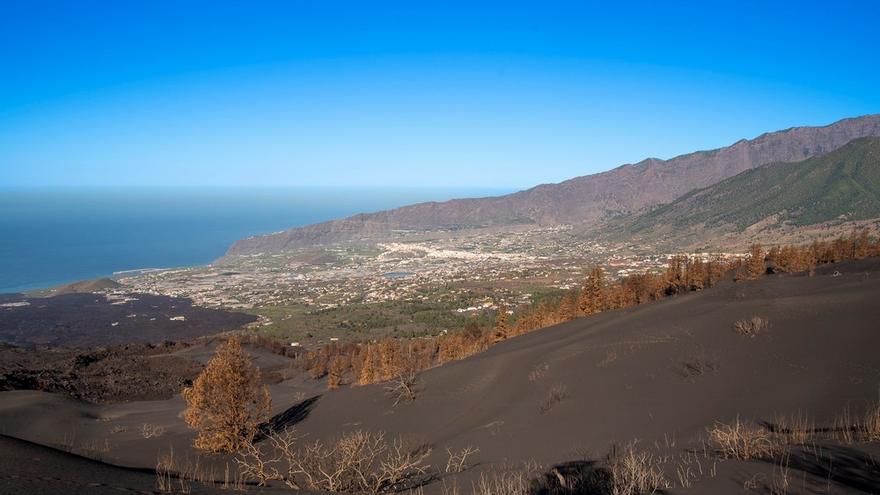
{"x": 587, "y": 200}
{"x": 843, "y": 184}
{"x": 625, "y": 375}
{"x": 660, "y": 372}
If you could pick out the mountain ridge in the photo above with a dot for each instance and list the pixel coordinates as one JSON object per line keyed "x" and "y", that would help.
{"x": 841, "y": 185}
{"x": 586, "y": 201}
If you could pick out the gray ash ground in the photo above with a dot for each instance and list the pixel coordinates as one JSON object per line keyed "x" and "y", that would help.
{"x": 102, "y": 375}
{"x": 104, "y": 351}
{"x": 86, "y": 320}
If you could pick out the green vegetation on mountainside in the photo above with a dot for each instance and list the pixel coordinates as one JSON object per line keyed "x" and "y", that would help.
{"x": 843, "y": 183}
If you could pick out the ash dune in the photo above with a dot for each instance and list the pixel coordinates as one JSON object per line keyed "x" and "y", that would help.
{"x": 668, "y": 369}
{"x": 40, "y": 470}
{"x": 661, "y": 373}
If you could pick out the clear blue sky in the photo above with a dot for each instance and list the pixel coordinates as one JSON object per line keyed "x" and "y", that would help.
{"x": 372, "y": 93}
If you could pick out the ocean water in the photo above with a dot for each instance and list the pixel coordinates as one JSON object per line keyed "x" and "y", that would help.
{"x": 50, "y": 237}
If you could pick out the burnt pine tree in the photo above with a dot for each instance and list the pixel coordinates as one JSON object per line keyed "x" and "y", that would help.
{"x": 369, "y": 371}
{"x": 755, "y": 263}
{"x": 336, "y": 371}
{"x": 502, "y": 328}
{"x": 226, "y": 403}
{"x": 593, "y": 297}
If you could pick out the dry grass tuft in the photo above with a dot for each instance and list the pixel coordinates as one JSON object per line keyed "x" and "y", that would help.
{"x": 165, "y": 472}
{"x": 694, "y": 465}
{"x": 696, "y": 365}
{"x": 847, "y": 428}
{"x": 871, "y": 423}
{"x": 751, "y": 327}
{"x": 538, "y": 372}
{"x": 798, "y": 429}
{"x": 634, "y": 471}
{"x": 151, "y": 431}
{"x": 510, "y": 481}
{"x": 95, "y": 449}
{"x": 557, "y": 394}
{"x": 503, "y": 483}
{"x": 740, "y": 440}
{"x": 781, "y": 474}
{"x": 844, "y": 427}
{"x": 175, "y": 474}
{"x": 609, "y": 358}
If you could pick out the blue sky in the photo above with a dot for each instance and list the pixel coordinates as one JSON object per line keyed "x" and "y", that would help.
{"x": 402, "y": 94}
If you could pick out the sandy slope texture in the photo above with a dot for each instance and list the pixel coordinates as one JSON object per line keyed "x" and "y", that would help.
{"x": 660, "y": 373}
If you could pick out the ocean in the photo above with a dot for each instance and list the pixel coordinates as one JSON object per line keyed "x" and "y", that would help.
{"x": 50, "y": 237}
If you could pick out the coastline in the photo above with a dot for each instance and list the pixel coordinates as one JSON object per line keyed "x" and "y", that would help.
{"x": 46, "y": 288}
{"x": 102, "y": 231}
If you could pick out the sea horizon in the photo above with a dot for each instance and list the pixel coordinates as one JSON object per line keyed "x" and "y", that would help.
{"x": 53, "y": 236}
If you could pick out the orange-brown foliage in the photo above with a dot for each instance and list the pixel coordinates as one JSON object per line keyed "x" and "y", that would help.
{"x": 226, "y": 402}
{"x": 755, "y": 264}
{"x": 502, "y": 329}
{"x": 387, "y": 359}
{"x": 336, "y": 370}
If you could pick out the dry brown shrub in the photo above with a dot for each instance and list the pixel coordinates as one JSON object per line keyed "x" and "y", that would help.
{"x": 740, "y": 440}
{"x": 358, "y": 462}
{"x": 319, "y": 367}
{"x": 538, "y": 372}
{"x": 610, "y": 357}
{"x": 752, "y": 326}
{"x": 259, "y": 462}
{"x": 226, "y": 402}
{"x": 557, "y": 394}
{"x": 457, "y": 461}
{"x": 698, "y": 364}
{"x": 150, "y": 430}
{"x": 403, "y": 388}
{"x": 754, "y": 482}
{"x": 336, "y": 371}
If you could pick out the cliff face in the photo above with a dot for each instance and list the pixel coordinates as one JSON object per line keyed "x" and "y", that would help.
{"x": 586, "y": 200}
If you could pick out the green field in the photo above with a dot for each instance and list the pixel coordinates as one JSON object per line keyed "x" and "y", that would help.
{"x": 361, "y": 322}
